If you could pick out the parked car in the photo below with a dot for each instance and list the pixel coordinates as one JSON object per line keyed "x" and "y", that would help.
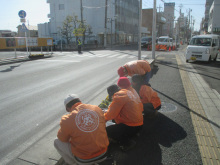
{"x": 145, "y": 41}
{"x": 203, "y": 48}
{"x": 165, "y": 40}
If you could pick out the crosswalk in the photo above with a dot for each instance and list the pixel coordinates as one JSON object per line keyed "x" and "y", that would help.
{"x": 103, "y": 55}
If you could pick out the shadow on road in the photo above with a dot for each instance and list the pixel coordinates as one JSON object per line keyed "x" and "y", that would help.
{"x": 11, "y": 68}
{"x": 158, "y": 131}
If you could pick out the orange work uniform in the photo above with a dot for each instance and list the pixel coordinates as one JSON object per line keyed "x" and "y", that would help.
{"x": 140, "y": 67}
{"x": 148, "y": 95}
{"x": 125, "y": 108}
{"x": 85, "y": 129}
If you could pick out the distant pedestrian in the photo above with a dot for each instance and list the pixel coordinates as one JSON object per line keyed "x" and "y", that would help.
{"x": 82, "y": 135}
{"x": 148, "y": 96}
{"x": 96, "y": 44}
{"x": 140, "y": 67}
{"x": 79, "y": 43}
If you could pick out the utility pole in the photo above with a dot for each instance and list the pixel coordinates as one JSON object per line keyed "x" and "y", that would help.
{"x": 180, "y": 19}
{"x": 160, "y": 27}
{"x": 189, "y": 21}
{"x": 139, "y": 30}
{"x": 154, "y": 30}
{"x": 81, "y": 10}
{"x": 111, "y": 32}
{"x": 106, "y": 7}
{"x": 191, "y": 27}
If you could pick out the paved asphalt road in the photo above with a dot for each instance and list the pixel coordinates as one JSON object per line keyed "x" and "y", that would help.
{"x": 210, "y": 72}
{"x": 32, "y": 94}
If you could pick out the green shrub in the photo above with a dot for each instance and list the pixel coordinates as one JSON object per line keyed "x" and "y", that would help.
{"x": 105, "y": 103}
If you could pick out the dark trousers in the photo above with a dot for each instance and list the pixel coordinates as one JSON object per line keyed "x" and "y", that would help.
{"x": 149, "y": 110}
{"x": 121, "y": 132}
{"x": 147, "y": 77}
{"x": 79, "y": 48}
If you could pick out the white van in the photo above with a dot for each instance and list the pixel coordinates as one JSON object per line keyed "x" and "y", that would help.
{"x": 165, "y": 40}
{"x": 203, "y": 48}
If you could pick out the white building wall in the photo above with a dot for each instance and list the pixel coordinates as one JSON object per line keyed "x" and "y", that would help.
{"x": 169, "y": 15}
{"x": 93, "y": 14}
{"x": 43, "y": 30}
{"x": 214, "y": 21}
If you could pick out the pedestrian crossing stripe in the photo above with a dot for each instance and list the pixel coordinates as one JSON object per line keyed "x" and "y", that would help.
{"x": 113, "y": 55}
{"x": 89, "y": 55}
{"x": 123, "y": 56}
{"x": 102, "y": 55}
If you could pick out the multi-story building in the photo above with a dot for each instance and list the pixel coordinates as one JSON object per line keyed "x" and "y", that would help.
{"x": 32, "y": 31}
{"x": 206, "y": 20}
{"x": 127, "y": 18}
{"x": 169, "y": 15}
{"x": 214, "y": 21}
{"x": 7, "y": 33}
{"x": 147, "y": 21}
{"x": 120, "y": 23}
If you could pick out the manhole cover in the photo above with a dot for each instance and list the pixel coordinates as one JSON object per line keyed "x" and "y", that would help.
{"x": 167, "y": 107}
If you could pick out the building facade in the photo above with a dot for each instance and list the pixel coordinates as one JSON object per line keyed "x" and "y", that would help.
{"x": 169, "y": 15}
{"x": 32, "y": 31}
{"x": 207, "y": 9}
{"x": 214, "y": 21}
{"x": 118, "y": 19}
{"x": 147, "y": 21}
{"x": 7, "y": 33}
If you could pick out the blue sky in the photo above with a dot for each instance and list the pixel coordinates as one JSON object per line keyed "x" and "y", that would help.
{"x": 197, "y": 6}
{"x": 37, "y": 11}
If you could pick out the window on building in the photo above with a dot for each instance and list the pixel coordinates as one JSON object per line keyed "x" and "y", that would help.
{"x": 61, "y": 6}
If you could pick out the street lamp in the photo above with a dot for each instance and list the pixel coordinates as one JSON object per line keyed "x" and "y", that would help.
{"x": 111, "y": 20}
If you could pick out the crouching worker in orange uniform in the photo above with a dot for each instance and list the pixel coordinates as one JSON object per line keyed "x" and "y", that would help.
{"x": 149, "y": 97}
{"x": 82, "y": 135}
{"x": 126, "y": 110}
{"x": 140, "y": 67}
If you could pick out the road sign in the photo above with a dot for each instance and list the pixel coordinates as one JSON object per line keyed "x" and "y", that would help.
{"x": 23, "y": 28}
{"x": 22, "y": 14}
{"x": 22, "y": 20}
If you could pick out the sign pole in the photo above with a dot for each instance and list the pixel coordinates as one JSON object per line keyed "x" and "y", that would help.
{"x": 26, "y": 42}
{"x": 154, "y": 30}
{"x": 22, "y": 14}
{"x": 139, "y": 29}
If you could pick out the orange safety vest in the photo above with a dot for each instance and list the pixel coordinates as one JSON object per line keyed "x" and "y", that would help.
{"x": 125, "y": 108}
{"x": 85, "y": 129}
{"x": 140, "y": 67}
{"x": 148, "y": 95}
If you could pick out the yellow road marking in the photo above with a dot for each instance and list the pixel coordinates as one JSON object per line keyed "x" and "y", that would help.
{"x": 206, "y": 139}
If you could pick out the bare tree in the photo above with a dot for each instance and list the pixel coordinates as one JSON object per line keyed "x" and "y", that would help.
{"x": 76, "y": 22}
{"x": 67, "y": 28}
{"x": 73, "y": 26}
{"x": 89, "y": 30}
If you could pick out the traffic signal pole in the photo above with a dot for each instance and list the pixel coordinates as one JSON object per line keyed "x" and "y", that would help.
{"x": 139, "y": 30}
{"x": 154, "y": 30}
